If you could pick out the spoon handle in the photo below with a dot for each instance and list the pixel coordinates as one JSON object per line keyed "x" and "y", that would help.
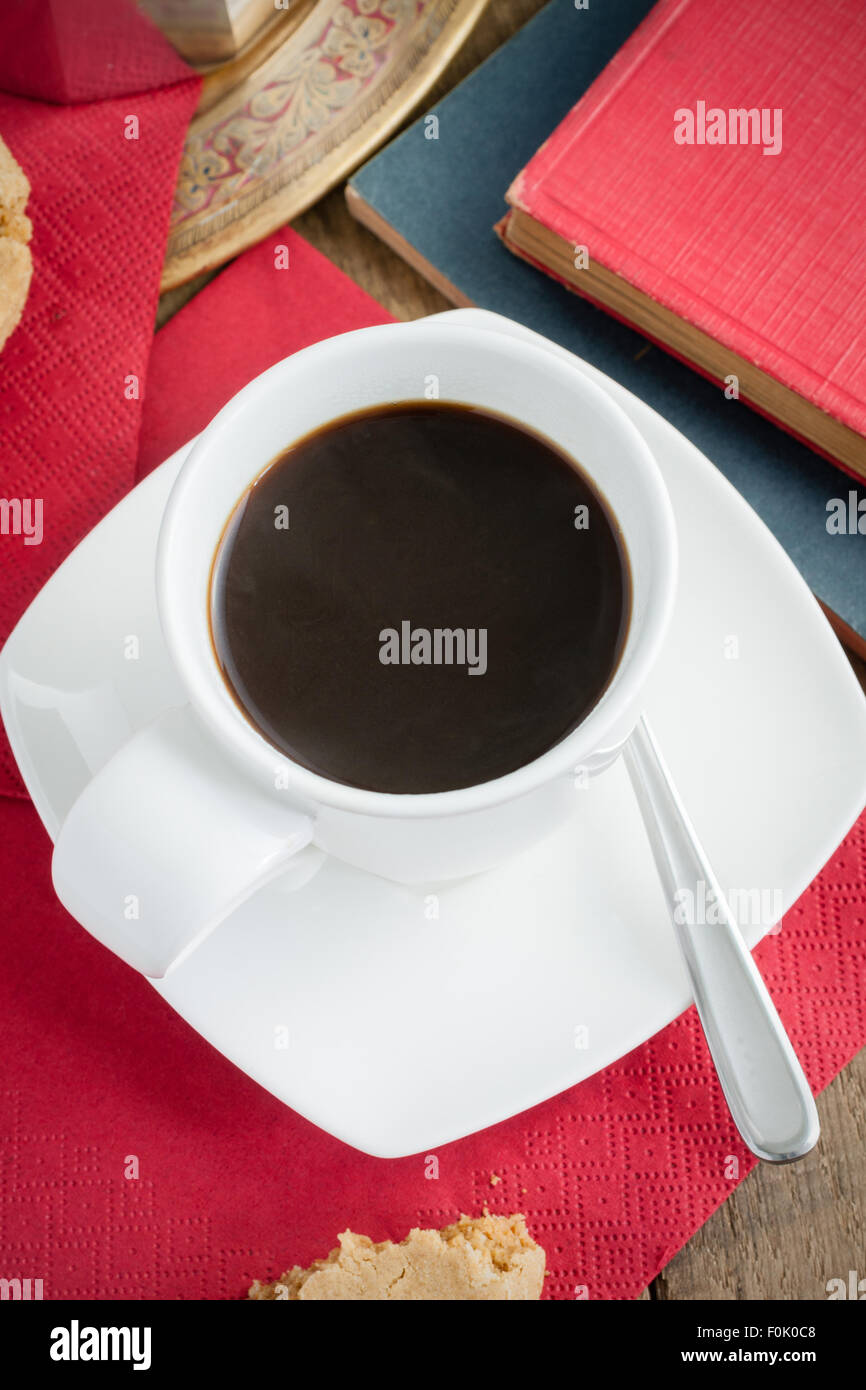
{"x": 767, "y": 1094}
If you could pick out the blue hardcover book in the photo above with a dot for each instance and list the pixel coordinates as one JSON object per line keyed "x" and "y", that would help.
{"x": 435, "y": 193}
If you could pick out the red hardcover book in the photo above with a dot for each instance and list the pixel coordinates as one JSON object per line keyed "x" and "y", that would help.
{"x": 709, "y": 189}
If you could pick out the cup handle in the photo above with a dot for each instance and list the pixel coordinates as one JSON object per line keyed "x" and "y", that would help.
{"x": 166, "y": 841}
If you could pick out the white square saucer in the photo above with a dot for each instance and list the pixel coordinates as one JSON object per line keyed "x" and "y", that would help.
{"x": 399, "y": 1019}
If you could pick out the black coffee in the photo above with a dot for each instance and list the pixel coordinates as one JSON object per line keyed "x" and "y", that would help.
{"x": 419, "y": 597}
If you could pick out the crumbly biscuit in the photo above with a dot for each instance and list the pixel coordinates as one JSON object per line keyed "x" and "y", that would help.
{"x": 491, "y": 1258}
{"x": 16, "y": 226}
{"x": 14, "y": 185}
{"x": 16, "y": 263}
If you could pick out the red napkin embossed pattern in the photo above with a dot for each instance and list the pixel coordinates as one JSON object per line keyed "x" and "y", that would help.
{"x": 70, "y": 408}
{"x": 83, "y": 50}
{"x": 137, "y": 1162}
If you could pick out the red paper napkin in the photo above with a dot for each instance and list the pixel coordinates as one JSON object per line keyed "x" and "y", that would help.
{"x": 72, "y": 374}
{"x": 140, "y": 1163}
{"x": 251, "y": 316}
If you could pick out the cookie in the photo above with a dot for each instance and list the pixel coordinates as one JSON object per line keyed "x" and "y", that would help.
{"x": 491, "y": 1258}
{"x": 16, "y": 263}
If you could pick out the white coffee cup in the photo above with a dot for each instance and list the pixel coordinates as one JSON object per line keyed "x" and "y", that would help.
{"x": 198, "y": 810}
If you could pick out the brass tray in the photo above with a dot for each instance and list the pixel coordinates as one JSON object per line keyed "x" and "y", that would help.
{"x": 298, "y": 110}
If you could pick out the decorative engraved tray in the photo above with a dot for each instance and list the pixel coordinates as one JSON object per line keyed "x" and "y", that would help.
{"x": 296, "y": 111}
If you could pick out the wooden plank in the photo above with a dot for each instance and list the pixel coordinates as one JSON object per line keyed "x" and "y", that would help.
{"x": 787, "y": 1230}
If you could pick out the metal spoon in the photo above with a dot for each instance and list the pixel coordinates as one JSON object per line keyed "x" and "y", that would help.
{"x": 767, "y": 1094}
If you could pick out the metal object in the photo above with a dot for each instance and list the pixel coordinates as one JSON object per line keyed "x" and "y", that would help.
{"x": 270, "y": 139}
{"x": 210, "y": 31}
{"x": 764, "y": 1085}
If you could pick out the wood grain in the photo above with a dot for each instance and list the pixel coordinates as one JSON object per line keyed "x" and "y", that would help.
{"x": 785, "y": 1231}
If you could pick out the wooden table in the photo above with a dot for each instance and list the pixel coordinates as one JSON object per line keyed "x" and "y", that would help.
{"x": 785, "y": 1231}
